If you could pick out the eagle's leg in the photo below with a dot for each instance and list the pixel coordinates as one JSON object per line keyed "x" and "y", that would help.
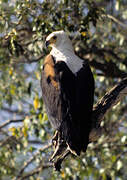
{"x": 55, "y": 139}
{"x": 59, "y": 149}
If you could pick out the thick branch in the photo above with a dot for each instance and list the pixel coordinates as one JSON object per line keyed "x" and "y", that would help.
{"x": 110, "y": 99}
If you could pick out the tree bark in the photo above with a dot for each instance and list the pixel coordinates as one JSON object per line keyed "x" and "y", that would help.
{"x": 110, "y": 99}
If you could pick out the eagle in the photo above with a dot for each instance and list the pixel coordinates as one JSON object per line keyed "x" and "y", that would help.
{"x": 68, "y": 92}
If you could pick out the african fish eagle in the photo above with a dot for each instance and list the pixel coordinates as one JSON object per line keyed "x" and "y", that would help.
{"x": 68, "y": 91}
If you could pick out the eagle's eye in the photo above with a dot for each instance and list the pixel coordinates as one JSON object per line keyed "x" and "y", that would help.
{"x": 54, "y": 37}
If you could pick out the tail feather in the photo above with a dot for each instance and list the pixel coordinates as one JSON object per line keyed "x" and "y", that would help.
{"x": 75, "y": 136}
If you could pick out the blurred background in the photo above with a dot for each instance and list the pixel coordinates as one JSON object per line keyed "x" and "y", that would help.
{"x": 99, "y": 34}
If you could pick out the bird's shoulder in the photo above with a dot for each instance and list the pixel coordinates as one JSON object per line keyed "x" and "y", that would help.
{"x": 49, "y": 60}
{"x": 49, "y": 71}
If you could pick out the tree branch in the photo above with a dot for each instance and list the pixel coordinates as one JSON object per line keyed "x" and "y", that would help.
{"x": 27, "y": 163}
{"x": 109, "y": 68}
{"x": 116, "y": 21}
{"x": 29, "y": 61}
{"x": 109, "y": 100}
{"x": 36, "y": 171}
{"x": 16, "y": 111}
{"x": 10, "y": 121}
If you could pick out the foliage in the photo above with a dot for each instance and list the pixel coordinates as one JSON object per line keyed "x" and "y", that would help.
{"x": 98, "y": 32}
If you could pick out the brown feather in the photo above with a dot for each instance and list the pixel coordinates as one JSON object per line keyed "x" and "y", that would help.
{"x": 49, "y": 70}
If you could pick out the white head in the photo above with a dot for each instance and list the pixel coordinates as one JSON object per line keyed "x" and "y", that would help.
{"x": 59, "y": 39}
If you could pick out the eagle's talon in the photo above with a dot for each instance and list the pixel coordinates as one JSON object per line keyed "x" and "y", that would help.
{"x": 59, "y": 149}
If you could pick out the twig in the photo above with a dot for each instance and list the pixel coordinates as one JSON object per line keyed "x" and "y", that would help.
{"x": 27, "y": 163}
{"x": 10, "y": 121}
{"x": 29, "y": 61}
{"x": 36, "y": 171}
{"x": 35, "y": 142}
{"x": 15, "y": 111}
{"x": 116, "y": 20}
{"x": 11, "y": 140}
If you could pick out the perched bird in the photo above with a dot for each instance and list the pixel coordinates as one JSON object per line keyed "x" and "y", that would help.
{"x": 68, "y": 92}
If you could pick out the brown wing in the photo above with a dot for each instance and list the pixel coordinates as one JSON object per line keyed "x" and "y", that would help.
{"x": 49, "y": 72}
{"x": 51, "y": 92}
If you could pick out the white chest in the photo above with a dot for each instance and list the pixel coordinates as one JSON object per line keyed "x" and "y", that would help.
{"x": 73, "y": 62}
